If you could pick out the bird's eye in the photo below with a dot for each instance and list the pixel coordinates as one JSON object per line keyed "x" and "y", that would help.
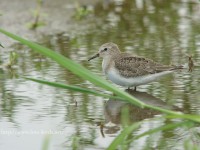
{"x": 105, "y": 49}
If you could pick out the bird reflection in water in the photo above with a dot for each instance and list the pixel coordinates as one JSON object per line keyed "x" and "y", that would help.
{"x": 117, "y": 112}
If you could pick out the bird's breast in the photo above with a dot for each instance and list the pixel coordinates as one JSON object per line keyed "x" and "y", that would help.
{"x": 114, "y": 75}
{"x": 106, "y": 65}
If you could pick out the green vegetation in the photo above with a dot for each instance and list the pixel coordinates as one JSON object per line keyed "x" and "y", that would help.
{"x": 82, "y": 12}
{"x": 1, "y": 45}
{"x": 73, "y": 88}
{"x": 185, "y": 120}
{"x": 36, "y": 14}
{"x": 12, "y": 59}
{"x": 46, "y": 141}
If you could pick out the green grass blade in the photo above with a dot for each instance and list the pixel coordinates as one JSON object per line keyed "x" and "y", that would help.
{"x": 1, "y": 45}
{"x": 73, "y": 88}
{"x": 118, "y": 140}
{"x": 166, "y": 111}
{"x": 163, "y": 128}
{"x": 195, "y": 118}
{"x": 75, "y": 68}
{"x": 45, "y": 144}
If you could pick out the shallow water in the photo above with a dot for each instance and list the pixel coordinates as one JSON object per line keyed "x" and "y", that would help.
{"x": 165, "y": 31}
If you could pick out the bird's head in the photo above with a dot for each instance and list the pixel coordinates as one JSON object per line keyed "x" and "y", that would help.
{"x": 106, "y": 50}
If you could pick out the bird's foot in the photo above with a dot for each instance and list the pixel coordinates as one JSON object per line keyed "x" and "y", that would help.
{"x": 135, "y": 89}
{"x": 129, "y": 89}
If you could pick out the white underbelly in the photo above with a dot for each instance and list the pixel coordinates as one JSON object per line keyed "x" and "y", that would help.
{"x": 114, "y": 76}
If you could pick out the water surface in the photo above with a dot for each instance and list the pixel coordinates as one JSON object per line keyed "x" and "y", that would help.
{"x": 165, "y": 31}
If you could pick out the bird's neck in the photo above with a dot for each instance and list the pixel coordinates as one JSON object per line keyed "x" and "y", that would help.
{"x": 106, "y": 64}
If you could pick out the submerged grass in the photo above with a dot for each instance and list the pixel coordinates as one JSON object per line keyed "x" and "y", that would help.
{"x": 73, "y": 88}
{"x": 119, "y": 139}
{"x": 87, "y": 75}
{"x": 36, "y": 15}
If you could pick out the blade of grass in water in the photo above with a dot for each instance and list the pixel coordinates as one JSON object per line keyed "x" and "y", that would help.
{"x": 85, "y": 90}
{"x": 118, "y": 140}
{"x": 73, "y": 88}
{"x": 195, "y": 118}
{"x": 121, "y": 137}
{"x": 164, "y": 128}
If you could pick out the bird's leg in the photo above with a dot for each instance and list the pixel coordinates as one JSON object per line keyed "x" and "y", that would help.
{"x": 128, "y": 89}
{"x": 135, "y": 88}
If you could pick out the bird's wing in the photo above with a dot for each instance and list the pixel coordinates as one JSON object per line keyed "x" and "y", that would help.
{"x": 130, "y": 66}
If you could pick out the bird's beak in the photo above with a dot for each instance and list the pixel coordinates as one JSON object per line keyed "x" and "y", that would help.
{"x": 95, "y": 56}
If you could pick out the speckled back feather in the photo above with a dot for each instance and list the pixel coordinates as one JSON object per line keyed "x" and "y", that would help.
{"x": 132, "y": 66}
